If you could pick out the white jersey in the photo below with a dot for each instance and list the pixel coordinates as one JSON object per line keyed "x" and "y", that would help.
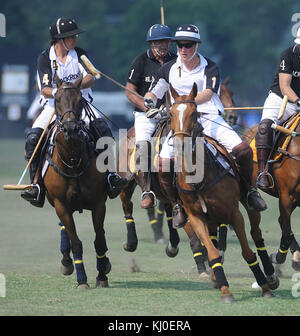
{"x": 48, "y": 63}
{"x": 206, "y": 76}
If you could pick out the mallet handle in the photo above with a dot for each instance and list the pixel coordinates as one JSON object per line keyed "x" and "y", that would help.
{"x": 283, "y": 130}
{"x": 36, "y": 148}
{"x": 95, "y": 72}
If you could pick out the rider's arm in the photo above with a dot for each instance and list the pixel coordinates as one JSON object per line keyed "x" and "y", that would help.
{"x": 136, "y": 101}
{"x": 285, "y": 71}
{"x": 204, "y": 96}
{"x": 285, "y": 86}
{"x": 87, "y": 82}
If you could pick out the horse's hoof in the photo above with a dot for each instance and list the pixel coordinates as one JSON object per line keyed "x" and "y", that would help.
{"x": 102, "y": 283}
{"x": 296, "y": 261}
{"x": 203, "y": 276}
{"x": 67, "y": 270}
{"x": 273, "y": 281}
{"x": 171, "y": 251}
{"x": 129, "y": 248}
{"x": 267, "y": 294}
{"x": 227, "y": 298}
{"x": 161, "y": 241}
{"x": 83, "y": 286}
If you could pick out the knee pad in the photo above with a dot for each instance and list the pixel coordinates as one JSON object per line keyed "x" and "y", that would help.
{"x": 264, "y": 135}
{"x": 32, "y": 138}
{"x": 242, "y": 152}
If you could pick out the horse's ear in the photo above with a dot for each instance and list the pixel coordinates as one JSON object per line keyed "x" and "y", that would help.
{"x": 226, "y": 81}
{"x": 57, "y": 80}
{"x": 78, "y": 81}
{"x": 194, "y": 91}
{"x": 173, "y": 92}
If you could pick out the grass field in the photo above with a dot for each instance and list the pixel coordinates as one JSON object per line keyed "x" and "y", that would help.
{"x": 30, "y": 262}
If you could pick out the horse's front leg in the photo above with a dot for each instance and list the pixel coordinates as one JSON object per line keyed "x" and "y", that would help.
{"x": 67, "y": 221}
{"x": 285, "y": 208}
{"x": 255, "y": 218}
{"x": 67, "y": 266}
{"x": 103, "y": 263}
{"x": 126, "y": 194}
{"x": 213, "y": 256}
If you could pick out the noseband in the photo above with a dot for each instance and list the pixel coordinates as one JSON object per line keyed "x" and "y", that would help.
{"x": 59, "y": 118}
{"x": 188, "y": 101}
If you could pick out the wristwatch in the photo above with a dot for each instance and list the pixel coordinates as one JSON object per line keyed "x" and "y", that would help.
{"x": 297, "y": 102}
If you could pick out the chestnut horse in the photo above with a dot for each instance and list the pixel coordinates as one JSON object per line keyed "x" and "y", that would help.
{"x": 231, "y": 116}
{"x": 214, "y": 200}
{"x": 73, "y": 183}
{"x": 285, "y": 172}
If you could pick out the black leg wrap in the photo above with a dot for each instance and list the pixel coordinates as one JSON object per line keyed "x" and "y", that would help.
{"x": 283, "y": 250}
{"x": 217, "y": 267}
{"x": 264, "y": 257}
{"x": 222, "y": 237}
{"x": 213, "y": 238}
{"x": 257, "y": 272}
{"x": 131, "y": 232}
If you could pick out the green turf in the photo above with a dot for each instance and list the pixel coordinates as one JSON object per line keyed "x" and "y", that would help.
{"x": 30, "y": 261}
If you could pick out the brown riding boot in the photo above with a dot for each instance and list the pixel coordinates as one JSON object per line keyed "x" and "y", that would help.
{"x": 143, "y": 158}
{"x": 263, "y": 177}
{"x": 263, "y": 143}
{"x": 166, "y": 179}
{"x": 148, "y": 197}
{"x": 244, "y": 159}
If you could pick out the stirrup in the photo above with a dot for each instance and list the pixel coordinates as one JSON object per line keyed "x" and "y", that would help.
{"x": 269, "y": 175}
{"x": 153, "y": 195}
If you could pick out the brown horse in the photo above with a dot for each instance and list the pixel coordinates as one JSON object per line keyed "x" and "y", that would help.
{"x": 126, "y": 152}
{"x": 285, "y": 172}
{"x": 73, "y": 183}
{"x": 214, "y": 200}
{"x": 156, "y": 220}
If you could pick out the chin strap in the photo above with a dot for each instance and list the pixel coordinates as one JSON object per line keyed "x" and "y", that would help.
{"x": 63, "y": 43}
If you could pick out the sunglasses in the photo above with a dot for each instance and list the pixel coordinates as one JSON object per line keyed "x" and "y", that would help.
{"x": 186, "y": 45}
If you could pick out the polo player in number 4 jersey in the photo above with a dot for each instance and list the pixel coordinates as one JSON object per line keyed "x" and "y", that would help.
{"x": 63, "y": 58}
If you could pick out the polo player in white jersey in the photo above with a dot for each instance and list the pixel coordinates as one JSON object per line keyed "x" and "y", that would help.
{"x": 63, "y": 58}
{"x": 189, "y": 68}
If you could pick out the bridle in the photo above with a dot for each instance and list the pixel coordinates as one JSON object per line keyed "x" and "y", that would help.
{"x": 187, "y": 101}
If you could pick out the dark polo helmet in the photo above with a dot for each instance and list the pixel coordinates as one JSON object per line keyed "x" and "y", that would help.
{"x": 64, "y": 27}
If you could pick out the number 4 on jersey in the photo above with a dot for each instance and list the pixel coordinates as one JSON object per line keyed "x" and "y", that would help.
{"x": 282, "y": 65}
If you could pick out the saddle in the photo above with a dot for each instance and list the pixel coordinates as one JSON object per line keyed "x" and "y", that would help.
{"x": 218, "y": 152}
{"x": 281, "y": 141}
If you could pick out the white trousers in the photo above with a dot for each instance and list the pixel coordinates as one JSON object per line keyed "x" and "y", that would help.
{"x": 272, "y": 107}
{"x": 214, "y": 126}
{"x": 144, "y": 127}
{"x": 42, "y": 120}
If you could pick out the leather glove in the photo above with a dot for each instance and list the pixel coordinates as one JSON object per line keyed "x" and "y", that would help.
{"x": 155, "y": 113}
{"x": 148, "y": 102}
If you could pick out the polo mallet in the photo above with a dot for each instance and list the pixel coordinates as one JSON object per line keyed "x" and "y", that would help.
{"x": 95, "y": 72}
{"x": 20, "y": 186}
{"x": 162, "y": 15}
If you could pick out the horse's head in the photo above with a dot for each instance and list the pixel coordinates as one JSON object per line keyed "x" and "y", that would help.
{"x": 68, "y": 106}
{"x": 184, "y": 112}
{"x": 227, "y": 101}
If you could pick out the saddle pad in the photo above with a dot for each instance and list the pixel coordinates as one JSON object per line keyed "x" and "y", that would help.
{"x": 49, "y": 150}
{"x": 282, "y": 141}
{"x": 220, "y": 158}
